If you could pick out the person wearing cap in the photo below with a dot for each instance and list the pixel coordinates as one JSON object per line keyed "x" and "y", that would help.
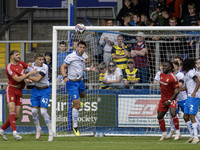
{"x": 120, "y": 53}
{"x": 130, "y": 74}
{"x": 48, "y": 62}
{"x": 139, "y": 54}
{"x": 192, "y": 16}
{"x": 157, "y": 15}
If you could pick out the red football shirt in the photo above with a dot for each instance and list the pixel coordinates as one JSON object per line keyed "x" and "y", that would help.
{"x": 17, "y": 69}
{"x": 168, "y": 83}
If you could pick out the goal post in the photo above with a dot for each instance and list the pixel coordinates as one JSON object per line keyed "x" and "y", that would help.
{"x": 120, "y": 110}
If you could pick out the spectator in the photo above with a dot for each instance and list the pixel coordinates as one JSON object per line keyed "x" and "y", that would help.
{"x": 125, "y": 9}
{"x": 131, "y": 73}
{"x": 136, "y": 19}
{"x": 102, "y": 70}
{"x": 120, "y": 53}
{"x": 179, "y": 59}
{"x": 126, "y": 19}
{"x": 48, "y": 62}
{"x": 144, "y": 18}
{"x": 113, "y": 74}
{"x": 107, "y": 40}
{"x": 175, "y": 8}
{"x": 136, "y": 6}
{"x": 157, "y": 15}
{"x": 139, "y": 53}
{"x": 61, "y": 53}
{"x": 185, "y": 6}
{"x": 192, "y": 16}
{"x": 166, "y": 16}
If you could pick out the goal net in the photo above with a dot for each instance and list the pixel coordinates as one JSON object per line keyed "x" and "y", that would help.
{"x": 120, "y": 108}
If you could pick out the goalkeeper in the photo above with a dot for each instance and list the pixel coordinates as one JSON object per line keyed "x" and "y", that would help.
{"x": 75, "y": 62}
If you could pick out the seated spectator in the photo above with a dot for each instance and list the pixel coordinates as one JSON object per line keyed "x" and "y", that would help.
{"x": 157, "y": 77}
{"x": 48, "y": 62}
{"x": 130, "y": 74}
{"x": 113, "y": 74}
{"x": 102, "y": 69}
{"x": 120, "y": 53}
{"x": 166, "y": 16}
{"x": 139, "y": 54}
{"x": 61, "y": 54}
{"x": 125, "y": 9}
{"x": 157, "y": 15}
{"x": 127, "y": 19}
{"x": 192, "y": 16}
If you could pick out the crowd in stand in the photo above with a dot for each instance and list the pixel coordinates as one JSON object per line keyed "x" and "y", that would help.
{"x": 128, "y": 63}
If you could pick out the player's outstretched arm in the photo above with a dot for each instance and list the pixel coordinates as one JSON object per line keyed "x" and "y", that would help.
{"x": 37, "y": 78}
{"x": 91, "y": 69}
{"x": 24, "y": 76}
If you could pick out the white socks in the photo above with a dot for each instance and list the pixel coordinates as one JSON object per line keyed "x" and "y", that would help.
{"x": 36, "y": 118}
{"x": 172, "y": 124}
{"x": 190, "y": 128}
{"x": 47, "y": 119}
{"x": 75, "y": 114}
{"x": 194, "y": 125}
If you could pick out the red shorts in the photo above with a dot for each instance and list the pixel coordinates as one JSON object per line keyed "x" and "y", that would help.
{"x": 14, "y": 95}
{"x": 162, "y": 107}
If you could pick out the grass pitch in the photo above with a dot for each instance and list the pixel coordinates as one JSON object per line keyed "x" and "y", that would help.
{"x": 95, "y": 143}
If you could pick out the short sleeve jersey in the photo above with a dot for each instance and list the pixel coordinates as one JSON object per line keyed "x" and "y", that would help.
{"x": 44, "y": 71}
{"x": 168, "y": 83}
{"x": 190, "y": 83}
{"x": 76, "y": 64}
{"x": 182, "y": 95}
{"x": 18, "y": 70}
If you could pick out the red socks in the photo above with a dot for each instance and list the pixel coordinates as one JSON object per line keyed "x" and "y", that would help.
{"x": 176, "y": 122}
{"x": 162, "y": 125}
{"x": 12, "y": 120}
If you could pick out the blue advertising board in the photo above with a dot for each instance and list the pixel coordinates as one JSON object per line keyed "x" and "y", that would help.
{"x": 64, "y": 3}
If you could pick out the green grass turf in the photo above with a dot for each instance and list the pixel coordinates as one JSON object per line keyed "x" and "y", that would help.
{"x": 94, "y": 143}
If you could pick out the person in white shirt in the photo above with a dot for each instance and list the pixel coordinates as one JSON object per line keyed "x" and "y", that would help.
{"x": 157, "y": 77}
{"x": 40, "y": 95}
{"x": 75, "y": 62}
{"x": 192, "y": 103}
{"x": 113, "y": 74}
{"x": 108, "y": 40}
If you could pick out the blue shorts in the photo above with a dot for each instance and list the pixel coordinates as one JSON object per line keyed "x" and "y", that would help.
{"x": 74, "y": 88}
{"x": 41, "y": 97}
{"x": 191, "y": 105}
{"x": 181, "y": 105}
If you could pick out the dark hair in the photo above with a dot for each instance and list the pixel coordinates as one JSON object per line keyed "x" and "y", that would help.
{"x": 38, "y": 55}
{"x": 12, "y": 52}
{"x": 126, "y": 15}
{"x": 170, "y": 63}
{"x": 81, "y": 42}
{"x": 188, "y": 64}
{"x": 102, "y": 65}
{"x": 62, "y": 42}
{"x": 176, "y": 63}
{"x": 179, "y": 57}
{"x": 48, "y": 54}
